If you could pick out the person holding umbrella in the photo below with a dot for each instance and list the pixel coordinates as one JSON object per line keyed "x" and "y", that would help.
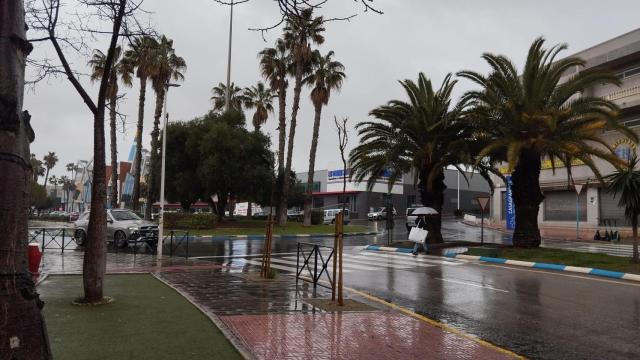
{"x": 419, "y": 234}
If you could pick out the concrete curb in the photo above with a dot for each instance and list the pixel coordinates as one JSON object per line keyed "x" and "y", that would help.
{"x": 292, "y": 236}
{"x": 546, "y": 266}
{"x": 388, "y": 249}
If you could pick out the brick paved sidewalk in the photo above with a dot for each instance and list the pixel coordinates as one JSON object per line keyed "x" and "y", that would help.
{"x": 271, "y": 319}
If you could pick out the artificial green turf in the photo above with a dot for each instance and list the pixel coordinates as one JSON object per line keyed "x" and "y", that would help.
{"x": 148, "y": 320}
{"x": 570, "y": 258}
{"x": 289, "y": 229}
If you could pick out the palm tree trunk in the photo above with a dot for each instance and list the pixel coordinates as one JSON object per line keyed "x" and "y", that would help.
{"x": 634, "y": 226}
{"x": 527, "y": 197}
{"x": 46, "y": 177}
{"x": 282, "y": 220}
{"x": 20, "y": 308}
{"x": 282, "y": 133}
{"x": 138, "y": 159}
{"x": 114, "y": 152}
{"x": 95, "y": 249}
{"x": 153, "y": 161}
{"x": 308, "y": 199}
{"x": 433, "y": 198}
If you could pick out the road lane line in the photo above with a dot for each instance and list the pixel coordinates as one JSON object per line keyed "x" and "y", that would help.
{"x": 330, "y": 266}
{"x": 348, "y": 259}
{"x": 388, "y": 263}
{"x": 238, "y": 256}
{"x": 471, "y": 284}
{"x": 411, "y": 258}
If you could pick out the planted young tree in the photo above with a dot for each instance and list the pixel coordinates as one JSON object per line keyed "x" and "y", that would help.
{"x": 142, "y": 57}
{"x": 299, "y": 33}
{"x": 169, "y": 66}
{"x": 50, "y": 160}
{"x": 625, "y": 184}
{"x": 260, "y": 98}
{"x": 326, "y": 75}
{"x": 122, "y": 70}
{"x": 525, "y": 117}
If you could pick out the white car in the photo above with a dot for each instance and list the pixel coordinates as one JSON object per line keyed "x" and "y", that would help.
{"x": 380, "y": 214}
{"x": 330, "y": 216}
{"x": 411, "y": 219}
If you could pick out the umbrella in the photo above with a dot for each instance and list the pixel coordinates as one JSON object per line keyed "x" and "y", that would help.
{"x": 424, "y": 211}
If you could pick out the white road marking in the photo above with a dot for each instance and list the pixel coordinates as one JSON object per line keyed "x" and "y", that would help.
{"x": 390, "y": 262}
{"x": 277, "y": 266}
{"x": 237, "y": 256}
{"x": 412, "y": 259}
{"x": 330, "y": 266}
{"x": 349, "y": 259}
{"x": 471, "y": 284}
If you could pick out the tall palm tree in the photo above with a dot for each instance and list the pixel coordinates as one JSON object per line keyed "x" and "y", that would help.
{"x": 538, "y": 114}
{"x": 169, "y": 67}
{"x": 53, "y": 180}
{"x": 275, "y": 64}
{"x": 626, "y": 183}
{"x": 424, "y": 134}
{"x": 299, "y": 33}
{"x": 36, "y": 168}
{"x": 219, "y": 95}
{"x": 121, "y": 69}
{"x": 258, "y": 97}
{"x": 50, "y": 161}
{"x": 141, "y": 56}
{"x": 326, "y": 75}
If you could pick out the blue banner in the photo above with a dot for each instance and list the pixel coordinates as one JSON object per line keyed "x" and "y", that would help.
{"x": 510, "y": 206}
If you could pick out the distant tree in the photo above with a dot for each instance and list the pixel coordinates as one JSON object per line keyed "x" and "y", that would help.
{"x": 219, "y": 97}
{"x": 39, "y": 199}
{"x": 625, "y": 183}
{"x": 326, "y": 75}
{"x": 37, "y": 168}
{"x": 50, "y": 160}
{"x": 258, "y": 97}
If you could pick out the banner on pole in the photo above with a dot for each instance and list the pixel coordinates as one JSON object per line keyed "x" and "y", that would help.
{"x": 510, "y": 206}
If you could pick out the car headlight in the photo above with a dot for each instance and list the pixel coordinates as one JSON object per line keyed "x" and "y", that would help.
{"x": 133, "y": 229}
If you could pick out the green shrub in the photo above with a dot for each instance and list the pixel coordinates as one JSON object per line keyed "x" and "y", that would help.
{"x": 188, "y": 221}
{"x": 317, "y": 217}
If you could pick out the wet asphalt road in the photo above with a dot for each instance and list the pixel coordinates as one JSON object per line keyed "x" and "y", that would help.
{"x": 539, "y": 314}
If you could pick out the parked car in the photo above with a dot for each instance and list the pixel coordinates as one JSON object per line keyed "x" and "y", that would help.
{"x": 259, "y": 216}
{"x": 73, "y": 216}
{"x": 411, "y": 219}
{"x": 380, "y": 214}
{"x": 295, "y": 215}
{"x": 330, "y": 216}
{"x": 123, "y": 227}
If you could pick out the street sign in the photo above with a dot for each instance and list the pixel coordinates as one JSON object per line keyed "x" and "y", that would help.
{"x": 483, "y": 201}
{"x": 578, "y": 188}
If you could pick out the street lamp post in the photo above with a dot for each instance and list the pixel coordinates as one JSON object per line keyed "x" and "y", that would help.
{"x": 578, "y": 190}
{"x": 162, "y": 171}
{"x": 482, "y": 201}
{"x": 227, "y": 95}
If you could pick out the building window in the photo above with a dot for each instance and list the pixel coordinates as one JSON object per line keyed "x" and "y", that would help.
{"x": 629, "y": 73}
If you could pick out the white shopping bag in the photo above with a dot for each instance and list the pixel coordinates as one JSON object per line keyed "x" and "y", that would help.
{"x": 418, "y": 235}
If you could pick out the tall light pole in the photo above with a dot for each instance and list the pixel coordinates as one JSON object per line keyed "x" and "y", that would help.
{"x": 227, "y": 96}
{"x": 162, "y": 171}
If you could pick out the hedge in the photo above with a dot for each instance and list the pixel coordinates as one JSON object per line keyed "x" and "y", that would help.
{"x": 188, "y": 221}
{"x": 317, "y": 217}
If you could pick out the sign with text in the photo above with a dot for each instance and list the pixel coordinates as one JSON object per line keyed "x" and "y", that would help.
{"x": 336, "y": 177}
{"x": 510, "y": 206}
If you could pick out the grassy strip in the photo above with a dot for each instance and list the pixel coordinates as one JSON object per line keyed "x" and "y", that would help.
{"x": 289, "y": 229}
{"x": 148, "y": 320}
{"x": 565, "y": 257}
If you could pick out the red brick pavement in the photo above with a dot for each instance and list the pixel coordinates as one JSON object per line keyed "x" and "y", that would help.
{"x": 355, "y": 335}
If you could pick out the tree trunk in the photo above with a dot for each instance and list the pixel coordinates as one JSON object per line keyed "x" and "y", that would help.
{"x": 114, "y": 152}
{"x": 135, "y": 197}
{"x": 22, "y": 329}
{"x": 308, "y": 199}
{"x": 634, "y": 226}
{"x": 46, "y": 177}
{"x": 433, "y": 198}
{"x": 155, "y": 152}
{"x": 282, "y": 133}
{"x": 221, "y": 205}
{"x": 94, "y": 265}
{"x": 282, "y": 220}
{"x": 527, "y": 197}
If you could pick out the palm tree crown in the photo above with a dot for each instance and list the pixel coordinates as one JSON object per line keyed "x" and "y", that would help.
{"x": 260, "y": 98}
{"x": 120, "y": 69}
{"x": 625, "y": 183}
{"x": 326, "y": 75}
{"x": 168, "y": 65}
{"x": 219, "y": 95}
{"x": 275, "y": 64}
{"x": 302, "y": 30}
{"x": 142, "y": 56}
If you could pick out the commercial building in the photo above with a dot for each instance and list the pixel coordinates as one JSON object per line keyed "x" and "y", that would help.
{"x": 328, "y": 194}
{"x": 593, "y": 206}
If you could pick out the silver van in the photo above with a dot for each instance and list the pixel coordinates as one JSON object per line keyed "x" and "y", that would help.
{"x": 330, "y": 216}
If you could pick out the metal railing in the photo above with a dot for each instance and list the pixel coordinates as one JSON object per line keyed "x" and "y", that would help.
{"x": 313, "y": 251}
{"x": 176, "y": 239}
{"x": 46, "y": 237}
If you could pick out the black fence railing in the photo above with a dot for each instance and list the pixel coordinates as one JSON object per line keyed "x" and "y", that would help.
{"x": 52, "y": 238}
{"x": 177, "y": 239}
{"x": 316, "y": 262}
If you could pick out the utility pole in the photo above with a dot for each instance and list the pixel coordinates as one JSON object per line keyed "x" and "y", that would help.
{"x": 227, "y": 97}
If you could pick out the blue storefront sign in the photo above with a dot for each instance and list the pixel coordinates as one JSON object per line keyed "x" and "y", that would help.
{"x": 510, "y": 206}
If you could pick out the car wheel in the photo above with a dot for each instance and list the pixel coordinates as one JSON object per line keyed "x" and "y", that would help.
{"x": 80, "y": 237}
{"x": 333, "y": 222}
{"x": 120, "y": 239}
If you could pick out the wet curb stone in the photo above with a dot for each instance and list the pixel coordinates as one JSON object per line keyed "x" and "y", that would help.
{"x": 292, "y": 236}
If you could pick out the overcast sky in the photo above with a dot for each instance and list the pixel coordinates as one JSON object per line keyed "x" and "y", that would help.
{"x": 435, "y": 37}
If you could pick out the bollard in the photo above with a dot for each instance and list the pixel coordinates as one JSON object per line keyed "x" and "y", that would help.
{"x": 35, "y": 257}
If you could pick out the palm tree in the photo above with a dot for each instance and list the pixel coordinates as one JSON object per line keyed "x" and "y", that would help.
{"x": 626, "y": 183}
{"x": 219, "y": 95}
{"x": 424, "y": 135}
{"x": 299, "y": 32}
{"x": 141, "y": 56}
{"x": 50, "y": 161}
{"x": 53, "y": 180}
{"x": 169, "y": 66}
{"x": 327, "y": 75}
{"x": 36, "y": 167}
{"x": 120, "y": 69}
{"x": 258, "y": 97}
{"x": 525, "y": 117}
